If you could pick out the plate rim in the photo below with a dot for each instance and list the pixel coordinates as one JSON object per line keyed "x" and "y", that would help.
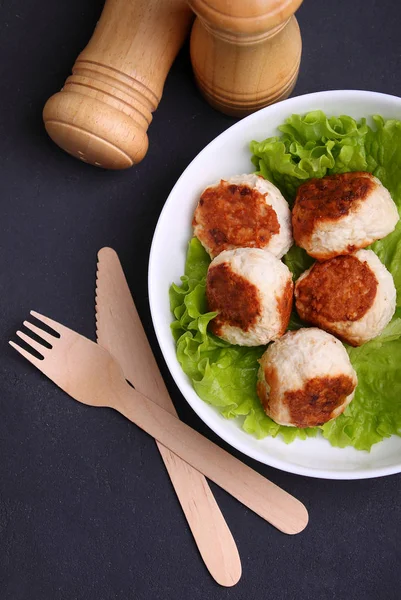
{"x": 226, "y": 436}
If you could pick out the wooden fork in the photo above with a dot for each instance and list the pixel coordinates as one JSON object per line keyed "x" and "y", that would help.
{"x": 92, "y": 376}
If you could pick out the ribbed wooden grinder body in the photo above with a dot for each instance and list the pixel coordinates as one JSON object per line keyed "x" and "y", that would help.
{"x": 102, "y": 114}
{"x": 245, "y": 55}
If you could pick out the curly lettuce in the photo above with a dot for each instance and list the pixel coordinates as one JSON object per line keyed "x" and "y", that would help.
{"x": 225, "y": 375}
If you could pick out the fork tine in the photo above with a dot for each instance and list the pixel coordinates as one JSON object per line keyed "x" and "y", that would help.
{"x": 33, "y": 343}
{"x": 58, "y": 328}
{"x": 48, "y": 337}
{"x": 32, "y": 359}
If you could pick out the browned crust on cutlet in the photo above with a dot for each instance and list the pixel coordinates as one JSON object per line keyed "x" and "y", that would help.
{"x": 316, "y": 402}
{"x": 235, "y": 299}
{"x": 330, "y": 198}
{"x": 284, "y": 306}
{"x": 341, "y": 289}
{"x": 229, "y": 216}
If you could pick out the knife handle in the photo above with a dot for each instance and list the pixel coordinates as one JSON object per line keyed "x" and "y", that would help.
{"x": 208, "y": 526}
{"x": 262, "y": 496}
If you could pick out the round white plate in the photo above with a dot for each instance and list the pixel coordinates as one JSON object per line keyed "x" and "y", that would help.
{"x": 229, "y": 155}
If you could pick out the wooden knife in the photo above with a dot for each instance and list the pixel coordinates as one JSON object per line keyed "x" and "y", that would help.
{"x": 120, "y": 331}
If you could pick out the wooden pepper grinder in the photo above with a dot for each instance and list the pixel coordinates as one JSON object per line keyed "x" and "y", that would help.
{"x": 102, "y": 114}
{"x": 245, "y": 54}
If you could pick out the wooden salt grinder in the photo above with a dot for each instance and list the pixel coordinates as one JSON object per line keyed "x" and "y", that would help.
{"x": 102, "y": 114}
{"x": 245, "y": 55}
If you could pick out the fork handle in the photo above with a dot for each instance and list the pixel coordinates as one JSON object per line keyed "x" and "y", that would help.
{"x": 262, "y": 496}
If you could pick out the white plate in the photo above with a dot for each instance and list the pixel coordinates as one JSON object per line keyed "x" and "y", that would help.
{"x": 229, "y": 155}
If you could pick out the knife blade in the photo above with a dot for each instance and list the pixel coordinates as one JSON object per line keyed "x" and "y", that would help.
{"x": 120, "y": 331}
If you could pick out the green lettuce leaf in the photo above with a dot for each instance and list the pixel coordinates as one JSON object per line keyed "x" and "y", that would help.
{"x": 224, "y": 375}
{"x": 375, "y": 412}
{"x": 312, "y": 146}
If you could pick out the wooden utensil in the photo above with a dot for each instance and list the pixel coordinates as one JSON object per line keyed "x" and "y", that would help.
{"x": 102, "y": 114}
{"x": 89, "y": 374}
{"x": 245, "y": 55}
{"x": 119, "y": 330}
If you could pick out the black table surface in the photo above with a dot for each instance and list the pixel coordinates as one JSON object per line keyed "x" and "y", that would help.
{"x": 86, "y": 507}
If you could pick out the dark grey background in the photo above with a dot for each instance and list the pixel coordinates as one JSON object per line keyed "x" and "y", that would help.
{"x": 86, "y": 508}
